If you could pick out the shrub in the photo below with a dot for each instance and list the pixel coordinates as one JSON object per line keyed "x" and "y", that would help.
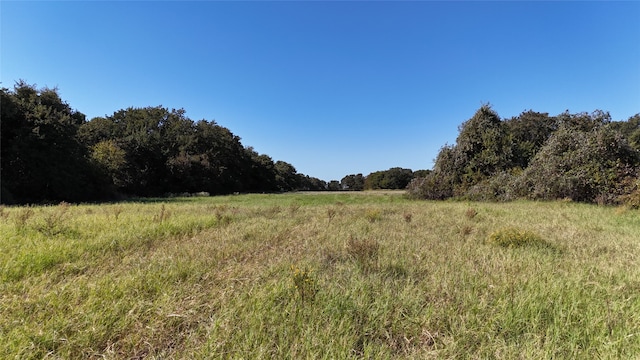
{"x": 514, "y": 237}
{"x": 394, "y": 178}
{"x": 435, "y": 186}
{"x": 582, "y": 166}
{"x": 53, "y": 222}
{"x": 632, "y": 198}
{"x": 499, "y": 187}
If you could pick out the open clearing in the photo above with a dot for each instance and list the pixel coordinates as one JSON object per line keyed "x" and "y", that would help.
{"x": 333, "y": 275}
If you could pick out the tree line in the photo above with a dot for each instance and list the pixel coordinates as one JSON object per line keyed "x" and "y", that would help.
{"x": 393, "y": 179}
{"x": 583, "y": 157}
{"x": 51, "y": 153}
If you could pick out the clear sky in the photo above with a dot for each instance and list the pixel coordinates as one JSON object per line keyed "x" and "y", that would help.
{"x": 334, "y": 88}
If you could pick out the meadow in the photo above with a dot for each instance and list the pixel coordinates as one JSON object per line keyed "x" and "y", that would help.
{"x": 319, "y": 276}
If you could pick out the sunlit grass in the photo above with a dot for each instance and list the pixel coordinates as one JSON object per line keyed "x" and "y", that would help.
{"x": 318, "y": 276}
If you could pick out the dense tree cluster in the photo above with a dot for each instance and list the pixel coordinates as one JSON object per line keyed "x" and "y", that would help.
{"x": 393, "y": 179}
{"x": 42, "y": 158}
{"x": 51, "y": 153}
{"x": 582, "y": 157}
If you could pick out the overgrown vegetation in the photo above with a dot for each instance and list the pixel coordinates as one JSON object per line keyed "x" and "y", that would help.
{"x": 582, "y": 157}
{"x": 155, "y": 151}
{"x": 50, "y": 153}
{"x": 312, "y": 276}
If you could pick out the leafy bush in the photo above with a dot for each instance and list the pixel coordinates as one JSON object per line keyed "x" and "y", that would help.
{"x": 435, "y": 186}
{"x": 582, "y": 166}
{"x": 632, "y": 198}
{"x": 529, "y": 131}
{"x": 484, "y": 143}
{"x": 582, "y": 157}
{"x": 53, "y": 221}
{"x": 500, "y": 187}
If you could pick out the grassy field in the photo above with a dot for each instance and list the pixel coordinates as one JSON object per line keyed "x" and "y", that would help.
{"x": 312, "y": 276}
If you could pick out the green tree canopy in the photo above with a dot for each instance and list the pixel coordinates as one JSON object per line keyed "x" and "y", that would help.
{"x": 42, "y": 160}
{"x": 50, "y": 153}
{"x": 528, "y": 133}
{"x": 353, "y": 182}
{"x": 286, "y": 176}
{"x": 394, "y": 178}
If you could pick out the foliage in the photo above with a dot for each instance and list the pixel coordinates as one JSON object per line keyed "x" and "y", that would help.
{"x": 51, "y": 154}
{"x": 421, "y": 173}
{"x": 528, "y": 132}
{"x": 502, "y": 186}
{"x": 286, "y": 176}
{"x": 630, "y": 129}
{"x": 582, "y": 166}
{"x": 42, "y": 159}
{"x": 481, "y": 150}
{"x": 334, "y": 185}
{"x": 166, "y": 152}
{"x": 353, "y": 182}
{"x": 483, "y": 145}
{"x": 307, "y": 182}
{"x": 394, "y": 178}
{"x": 584, "y": 121}
{"x": 631, "y": 199}
{"x": 582, "y": 157}
{"x": 435, "y": 186}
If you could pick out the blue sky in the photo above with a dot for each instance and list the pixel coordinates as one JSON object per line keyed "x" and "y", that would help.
{"x": 334, "y": 88}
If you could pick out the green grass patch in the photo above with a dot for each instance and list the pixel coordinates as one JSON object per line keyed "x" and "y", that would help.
{"x": 334, "y": 276}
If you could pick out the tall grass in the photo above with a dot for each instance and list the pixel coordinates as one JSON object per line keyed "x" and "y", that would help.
{"x": 273, "y": 276}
